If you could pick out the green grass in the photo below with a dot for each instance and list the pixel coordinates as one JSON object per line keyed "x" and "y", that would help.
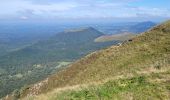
{"x": 137, "y": 88}
{"x": 154, "y": 86}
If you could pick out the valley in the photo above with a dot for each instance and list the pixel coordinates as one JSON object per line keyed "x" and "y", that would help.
{"x": 37, "y": 61}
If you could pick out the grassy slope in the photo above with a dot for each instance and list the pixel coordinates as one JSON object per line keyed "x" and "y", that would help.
{"x": 119, "y": 37}
{"x": 117, "y": 72}
{"x": 154, "y": 86}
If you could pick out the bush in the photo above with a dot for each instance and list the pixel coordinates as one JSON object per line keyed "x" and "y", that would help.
{"x": 16, "y": 94}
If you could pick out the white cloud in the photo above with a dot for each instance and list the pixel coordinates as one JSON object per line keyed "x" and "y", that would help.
{"x": 24, "y": 18}
{"x": 78, "y": 9}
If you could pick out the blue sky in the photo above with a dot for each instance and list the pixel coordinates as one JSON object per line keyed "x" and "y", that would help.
{"x": 116, "y": 10}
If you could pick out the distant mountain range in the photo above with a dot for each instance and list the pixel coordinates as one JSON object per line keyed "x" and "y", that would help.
{"x": 127, "y": 33}
{"x": 134, "y": 27}
{"x": 141, "y": 27}
{"x": 18, "y": 36}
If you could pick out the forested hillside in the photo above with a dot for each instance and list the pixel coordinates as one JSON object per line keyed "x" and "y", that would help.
{"x": 35, "y": 62}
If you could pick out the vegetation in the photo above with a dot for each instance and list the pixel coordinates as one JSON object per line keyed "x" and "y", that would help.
{"x": 36, "y": 62}
{"x": 136, "y": 69}
{"x": 137, "y": 88}
{"x": 118, "y": 37}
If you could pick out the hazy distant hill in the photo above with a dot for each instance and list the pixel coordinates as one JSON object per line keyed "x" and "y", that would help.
{"x": 128, "y": 27}
{"x": 126, "y": 32}
{"x": 35, "y": 62}
{"x": 138, "y": 69}
{"x": 141, "y": 27}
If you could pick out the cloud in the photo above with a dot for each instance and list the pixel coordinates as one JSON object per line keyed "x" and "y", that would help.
{"x": 27, "y": 12}
{"x": 151, "y": 12}
{"x": 24, "y": 18}
{"x": 72, "y": 9}
{"x": 46, "y": 2}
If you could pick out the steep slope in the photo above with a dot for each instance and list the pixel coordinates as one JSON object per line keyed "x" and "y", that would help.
{"x": 136, "y": 69}
{"x": 33, "y": 63}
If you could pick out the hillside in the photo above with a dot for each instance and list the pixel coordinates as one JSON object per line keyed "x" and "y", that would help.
{"x": 138, "y": 69}
{"x": 35, "y": 62}
{"x": 118, "y": 37}
{"x": 10, "y": 42}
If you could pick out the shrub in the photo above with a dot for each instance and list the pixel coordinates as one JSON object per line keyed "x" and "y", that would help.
{"x": 16, "y": 94}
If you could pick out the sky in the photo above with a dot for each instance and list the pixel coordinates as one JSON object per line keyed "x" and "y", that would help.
{"x": 92, "y": 10}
